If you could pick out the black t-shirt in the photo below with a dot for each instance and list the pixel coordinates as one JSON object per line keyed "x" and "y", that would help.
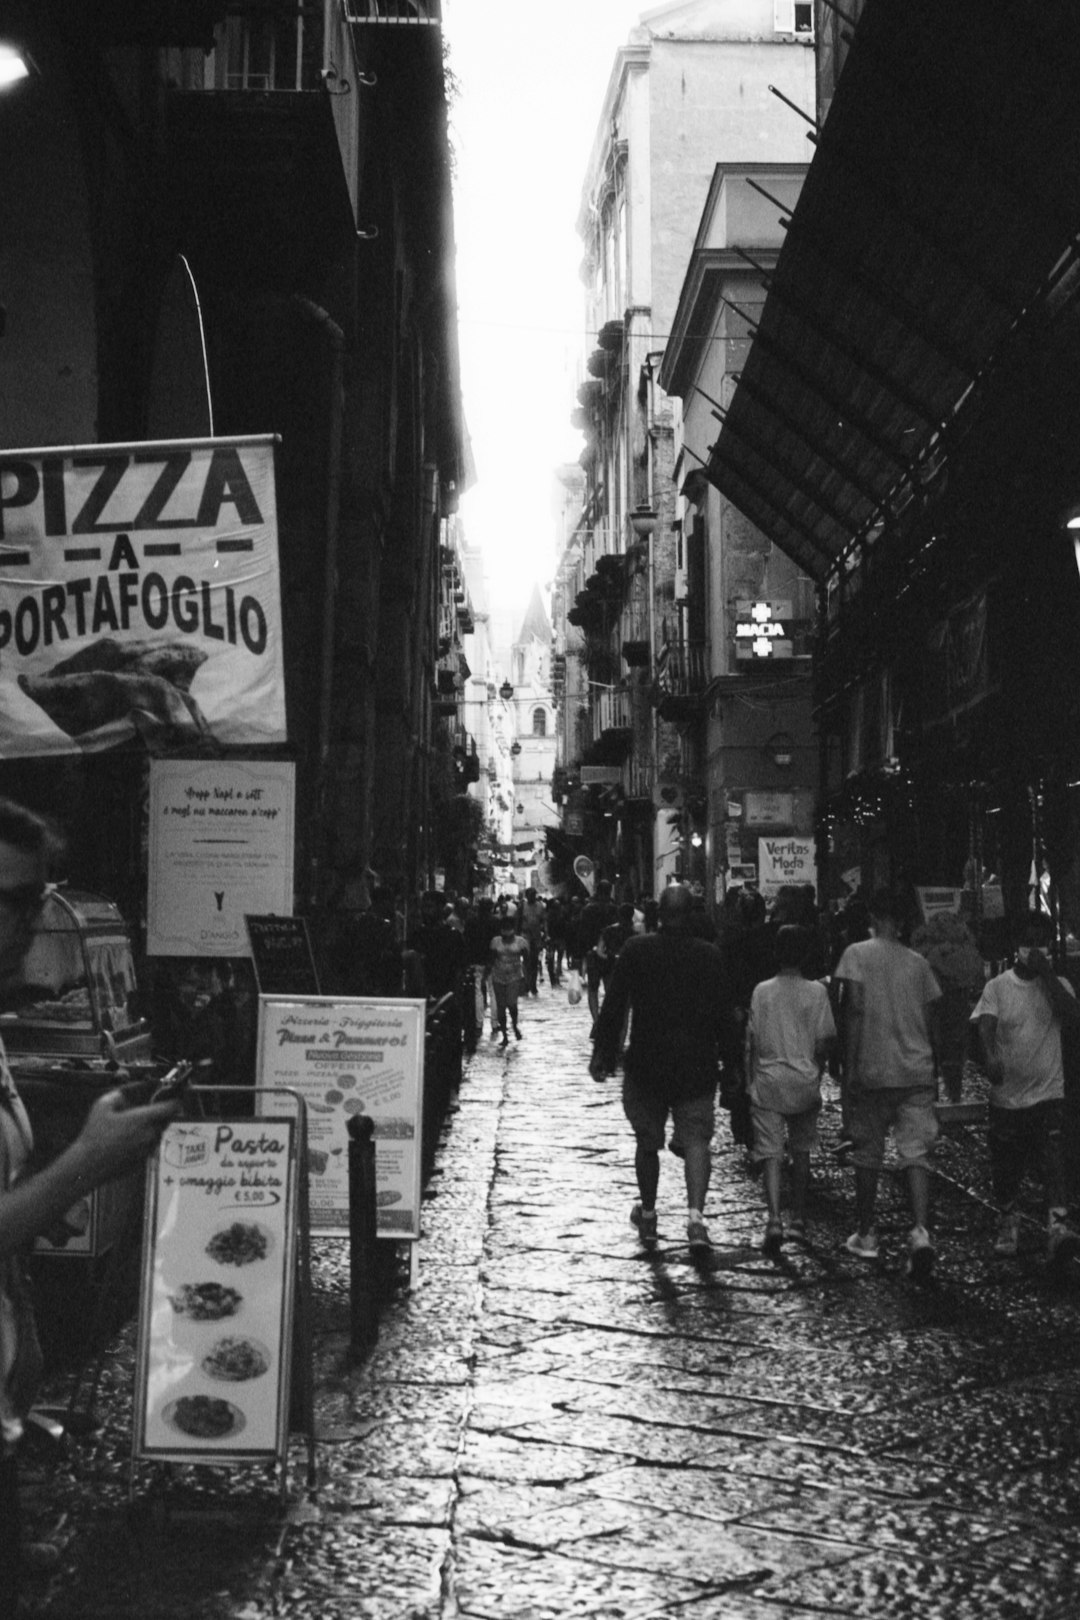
{"x": 597, "y": 915}
{"x": 683, "y": 1013}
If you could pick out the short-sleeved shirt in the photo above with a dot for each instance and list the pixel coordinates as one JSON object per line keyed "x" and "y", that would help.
{"x": 790, "y": 1019}
{"x": 1028, "y": 1040}
{"x": 509, "y": 955}
{"x": 898, "y": 990}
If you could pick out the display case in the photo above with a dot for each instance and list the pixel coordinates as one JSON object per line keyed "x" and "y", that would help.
{"x": 73, "y": 1030}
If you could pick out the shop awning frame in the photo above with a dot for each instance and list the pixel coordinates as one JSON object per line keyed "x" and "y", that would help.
{"x": 940, "y": 210}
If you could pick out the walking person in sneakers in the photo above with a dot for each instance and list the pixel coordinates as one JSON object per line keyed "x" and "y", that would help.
{"x": 675, "y": 988}
{"x": 890, "y": 1028}
{"x": 788, "y": 1037}
{"x": 1020, "y": 1016}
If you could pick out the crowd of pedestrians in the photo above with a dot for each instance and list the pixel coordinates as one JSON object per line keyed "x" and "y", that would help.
{"x": 756, "y": 1008}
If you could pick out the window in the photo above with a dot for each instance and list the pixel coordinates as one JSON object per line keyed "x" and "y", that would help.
{"x": 539, "y": 723}
{"x": 793, "y": 17}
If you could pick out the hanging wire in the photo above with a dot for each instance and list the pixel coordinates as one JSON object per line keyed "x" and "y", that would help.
{"x": 202, "y": 342}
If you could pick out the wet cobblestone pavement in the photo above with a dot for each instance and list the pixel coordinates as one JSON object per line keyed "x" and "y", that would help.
{"x": 557, "y": 1424}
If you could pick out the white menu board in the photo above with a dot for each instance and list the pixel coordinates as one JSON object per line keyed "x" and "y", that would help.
{"x": 349, "y": 1057}
{"x": 215, "y": 1320}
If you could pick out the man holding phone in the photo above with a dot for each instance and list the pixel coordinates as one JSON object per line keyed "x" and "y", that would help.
{"x": 114, "y": 1138}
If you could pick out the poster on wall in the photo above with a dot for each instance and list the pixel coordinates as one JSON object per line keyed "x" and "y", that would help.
{"x": 348, "y": 1057}
{"x": 139, "y": 596}
{"x": 785, "y": 860}
{"x": 215, "y": 1317}
{"x": 221, "y": 847}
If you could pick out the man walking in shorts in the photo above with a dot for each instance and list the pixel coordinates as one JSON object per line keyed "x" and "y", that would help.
{"x": 1020, "y": 1015}
{"x": 890, "y": 1070}
{"x": 675, "y": 988}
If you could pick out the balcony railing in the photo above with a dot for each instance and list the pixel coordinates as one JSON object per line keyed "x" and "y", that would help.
{"x": 612, "y": 712}
{"x": 407, "y": 13}
{"x": 685, "y": 672}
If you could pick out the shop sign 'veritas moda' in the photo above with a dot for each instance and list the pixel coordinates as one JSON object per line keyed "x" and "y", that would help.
{"x": 139, "y": 594}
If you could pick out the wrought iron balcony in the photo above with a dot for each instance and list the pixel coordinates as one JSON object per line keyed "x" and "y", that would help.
{"x": 682, "y": 676}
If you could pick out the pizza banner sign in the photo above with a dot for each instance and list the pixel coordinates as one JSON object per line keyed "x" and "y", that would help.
{"x": 139, "y": 596}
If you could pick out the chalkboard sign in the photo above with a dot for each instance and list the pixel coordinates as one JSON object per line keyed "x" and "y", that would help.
{"x": 281, "y": 952}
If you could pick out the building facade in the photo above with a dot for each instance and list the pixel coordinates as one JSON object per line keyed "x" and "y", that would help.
{"x": 736, "y": 648}
{"x": 691, "y": 88}
{"x": 231, "y": 220}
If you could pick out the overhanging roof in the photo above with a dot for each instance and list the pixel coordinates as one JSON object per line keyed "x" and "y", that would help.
{"x": 942, "y": 202}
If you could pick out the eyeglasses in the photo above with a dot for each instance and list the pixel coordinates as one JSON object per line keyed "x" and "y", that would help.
{"x": 27, "y": 898}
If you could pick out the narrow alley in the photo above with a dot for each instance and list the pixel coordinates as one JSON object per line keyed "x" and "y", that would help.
{"x": 556, "y": 1424}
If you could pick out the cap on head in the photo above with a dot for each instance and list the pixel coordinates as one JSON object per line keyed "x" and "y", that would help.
{"x": 675, "y": 906}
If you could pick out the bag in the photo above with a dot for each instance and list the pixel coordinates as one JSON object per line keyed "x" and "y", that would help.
{"x": 573, "y": 987}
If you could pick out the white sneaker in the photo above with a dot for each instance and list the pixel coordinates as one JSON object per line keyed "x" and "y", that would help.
{"x": 864, "y": 1244}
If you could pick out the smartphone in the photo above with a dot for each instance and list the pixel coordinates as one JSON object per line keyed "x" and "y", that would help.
{"x": 172, "y": 1086}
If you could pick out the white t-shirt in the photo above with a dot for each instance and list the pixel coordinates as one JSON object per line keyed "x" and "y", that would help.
{"x": 1028, "y": 1040}
{"x": 898, "y": 989}
{"x": 790, "y": 1018}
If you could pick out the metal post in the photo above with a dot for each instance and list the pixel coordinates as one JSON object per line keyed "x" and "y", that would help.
{"x": 363, "y": 1288}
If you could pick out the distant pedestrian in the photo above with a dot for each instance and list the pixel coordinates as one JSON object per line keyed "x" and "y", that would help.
{"x": 1020, "y": 1015}
{"x": 596, "y": 916}
{"x": 532, "y": 927}
{"x": 508, "y": 955}
{"x": 890, "y": 1070}
{"x": 789, "y": 1033}
{"x": 675, "y": 990}
{"x": 555, "y": 940}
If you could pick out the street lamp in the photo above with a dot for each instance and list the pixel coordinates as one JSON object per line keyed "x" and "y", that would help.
{"x": 515, "y": 749}
{"x": 506, "y": 691}
{"x": 643, "y": 521}
{"x": 14, "y": 64}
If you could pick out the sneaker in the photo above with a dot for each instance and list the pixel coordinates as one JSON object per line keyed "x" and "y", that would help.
{"x": 796, "y": 1231}
{"x": 517, "y": 1033}
{"x": 504, "y": 1043}
{"x": 921, "y": 1255}
{"x": 1062, "y": 1243}
{"x": 864, "y": 1244}
{"x": 774, "y": 1237}
{"x": 1008, "y": 1235}
{"x": 697, "y": 1235}
{"x": 645, "y": 1221}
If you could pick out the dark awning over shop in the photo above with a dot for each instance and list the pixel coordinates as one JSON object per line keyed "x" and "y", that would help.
{"x": 940, "y": 210}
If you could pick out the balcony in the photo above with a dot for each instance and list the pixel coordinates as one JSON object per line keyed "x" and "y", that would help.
{"x": 263, "y": 127}
{"x": 682, "y": 677}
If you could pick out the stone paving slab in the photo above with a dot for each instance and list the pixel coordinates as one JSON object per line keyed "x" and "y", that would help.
{"x": 555, "y": 1424}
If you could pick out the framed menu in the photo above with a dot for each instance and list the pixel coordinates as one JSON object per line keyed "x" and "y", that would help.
{"x": 282, "y": 956}
{"x": 219, "y": 1265}
{"x": 350, "y": 1056}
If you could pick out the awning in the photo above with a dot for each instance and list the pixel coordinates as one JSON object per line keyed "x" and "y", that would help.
{"x": 940, "y": 210}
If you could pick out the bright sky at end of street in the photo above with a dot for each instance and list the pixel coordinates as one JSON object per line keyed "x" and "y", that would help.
{"x": 529, "y": 89}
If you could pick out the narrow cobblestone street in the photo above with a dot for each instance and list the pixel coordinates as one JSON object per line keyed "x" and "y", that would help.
{"x": 556, "y": 1424}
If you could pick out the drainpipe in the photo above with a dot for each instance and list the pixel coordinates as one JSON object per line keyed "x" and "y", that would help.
{"x": 335, "y": 339}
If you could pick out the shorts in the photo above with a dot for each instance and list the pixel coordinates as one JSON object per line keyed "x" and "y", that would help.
{"x": 647, "y": 1108}
{"x": 908, "y": 1111}
{"x": 770, "y": 1128}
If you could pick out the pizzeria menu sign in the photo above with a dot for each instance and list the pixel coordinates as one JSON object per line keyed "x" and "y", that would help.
{"x": 351, "y": 1057}
{"x": 139, "y": 596}
{"x": 215, "y": 1319}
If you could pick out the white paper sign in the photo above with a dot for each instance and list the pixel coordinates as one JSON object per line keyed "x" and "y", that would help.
{"x": 349, "y": 1057}
{"x": 221, "y": 847}
{"x": 216, "y": 1314}
{"x": 785, "y": 860}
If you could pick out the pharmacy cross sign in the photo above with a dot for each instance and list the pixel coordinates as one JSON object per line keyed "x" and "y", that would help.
{"x": 760, "y": 631}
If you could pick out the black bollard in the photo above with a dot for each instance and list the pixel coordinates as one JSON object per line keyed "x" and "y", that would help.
{"x": 363, "y": 1282}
